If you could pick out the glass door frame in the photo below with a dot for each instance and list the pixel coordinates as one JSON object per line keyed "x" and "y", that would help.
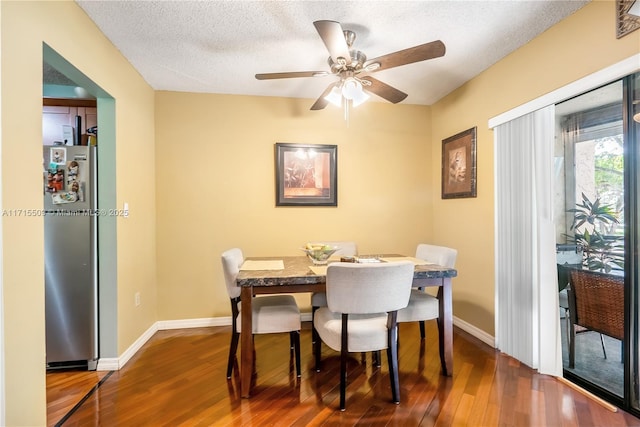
{"x": 631, "y": 132}
{"x": 630, "y": 401}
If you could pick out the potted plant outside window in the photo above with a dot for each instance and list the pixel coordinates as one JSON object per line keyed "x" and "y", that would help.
{"x": 592, "y": 226}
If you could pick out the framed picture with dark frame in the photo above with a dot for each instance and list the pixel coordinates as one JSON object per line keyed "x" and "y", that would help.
{"x": 306, "y": 175}
{"x": 459, "y": 174}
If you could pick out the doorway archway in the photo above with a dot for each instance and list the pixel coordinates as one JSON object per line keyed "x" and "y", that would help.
{"x": 107, "y": 244}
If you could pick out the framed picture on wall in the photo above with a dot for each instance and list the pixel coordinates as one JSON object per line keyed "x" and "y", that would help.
{"x": 306, "y": 175}
{"x": 459, "y": 165}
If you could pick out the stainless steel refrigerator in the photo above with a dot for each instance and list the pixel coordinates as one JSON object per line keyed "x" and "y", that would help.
{"x": 70, "y": 239}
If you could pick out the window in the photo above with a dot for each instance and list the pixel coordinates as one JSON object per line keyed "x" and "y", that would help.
{"x": 591, "y": 164}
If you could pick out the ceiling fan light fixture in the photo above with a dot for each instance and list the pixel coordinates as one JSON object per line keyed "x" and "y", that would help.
{"x": 359, "y": 98}
{"x": 352, "y": 91}
{"x": 351, "y": 88}
{"x": 335, "y": 96}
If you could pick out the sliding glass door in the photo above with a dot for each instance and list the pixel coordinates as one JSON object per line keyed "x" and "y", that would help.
{"x": 590, "y": 227}
{"x": 597, "y": 211}
{"x": 632, "y": 137}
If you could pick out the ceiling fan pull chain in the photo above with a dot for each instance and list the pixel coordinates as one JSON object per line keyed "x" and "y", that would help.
{"x": 346, "y": 103}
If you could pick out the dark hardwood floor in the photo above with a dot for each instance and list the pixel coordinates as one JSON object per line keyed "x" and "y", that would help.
{"x": 178, "y": 379}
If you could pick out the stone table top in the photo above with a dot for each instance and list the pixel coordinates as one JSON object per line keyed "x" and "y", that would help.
{"x": 297, "y": 271}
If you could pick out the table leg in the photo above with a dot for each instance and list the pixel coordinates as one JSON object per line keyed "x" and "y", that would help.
{"x": 445, "y": 326}
{"x": 246, "y": 339}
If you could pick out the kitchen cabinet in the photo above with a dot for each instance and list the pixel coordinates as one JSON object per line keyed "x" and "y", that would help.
{"x": 54, "y": 117}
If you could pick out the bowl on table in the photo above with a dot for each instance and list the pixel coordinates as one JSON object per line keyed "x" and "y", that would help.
{"x": 319, "y": 254}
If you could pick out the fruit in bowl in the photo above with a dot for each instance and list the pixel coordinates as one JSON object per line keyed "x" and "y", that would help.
{"x": 318, "y": 253}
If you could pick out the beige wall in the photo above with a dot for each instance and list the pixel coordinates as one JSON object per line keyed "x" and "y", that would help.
{"x": 576, "y": 47}
{"x": 215, "y": 187}
{"x": 67, "y": 29}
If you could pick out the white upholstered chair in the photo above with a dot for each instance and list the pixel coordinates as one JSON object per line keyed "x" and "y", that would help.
{"x": 319, "y": 299}
{"x": 423, "y": 306}
{"x": 362, "y": 303}
{"x": 270, "y": 314}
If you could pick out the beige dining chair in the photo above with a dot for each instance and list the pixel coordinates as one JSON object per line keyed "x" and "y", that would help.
{"x": 270, "y": 314}
{"x": 319, "y": 299}
{"x": 362, "y": 305}
{"x": 423, "y": 306}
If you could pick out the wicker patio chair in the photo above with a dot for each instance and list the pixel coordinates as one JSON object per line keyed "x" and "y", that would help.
{"x": 596, "y": 303}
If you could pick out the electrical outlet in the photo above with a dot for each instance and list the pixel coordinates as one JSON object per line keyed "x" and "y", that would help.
{"x": 137, "y": 298}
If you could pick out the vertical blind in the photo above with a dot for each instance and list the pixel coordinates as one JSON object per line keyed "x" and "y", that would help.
{"x": 527, "y": 314}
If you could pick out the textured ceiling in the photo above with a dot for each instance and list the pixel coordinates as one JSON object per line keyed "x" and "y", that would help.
{"x": 52, "y": 76}
{"x": 218, "y": 46}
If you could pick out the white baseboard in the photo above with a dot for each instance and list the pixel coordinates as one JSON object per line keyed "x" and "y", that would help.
{"x": 114, "y": 364}
{"x": 207, "y": 321}
{"x": 472, "y": 330}
{"x": 194, "y": 323}
{"x": 108, "y": 364}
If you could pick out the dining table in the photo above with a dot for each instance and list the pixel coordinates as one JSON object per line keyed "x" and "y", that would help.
{"x": 298, "y": 274}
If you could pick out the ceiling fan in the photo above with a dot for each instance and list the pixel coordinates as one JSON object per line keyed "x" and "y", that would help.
{"x": 353, "y": 68}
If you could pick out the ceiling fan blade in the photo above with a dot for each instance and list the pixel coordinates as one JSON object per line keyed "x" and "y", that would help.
{"x": 383, "y": 90}
{"x": 333, "y": 37}
{"x": 321, "y": 102}
{"x": 434, "y": 49}
{"x": 287, "y": 75}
